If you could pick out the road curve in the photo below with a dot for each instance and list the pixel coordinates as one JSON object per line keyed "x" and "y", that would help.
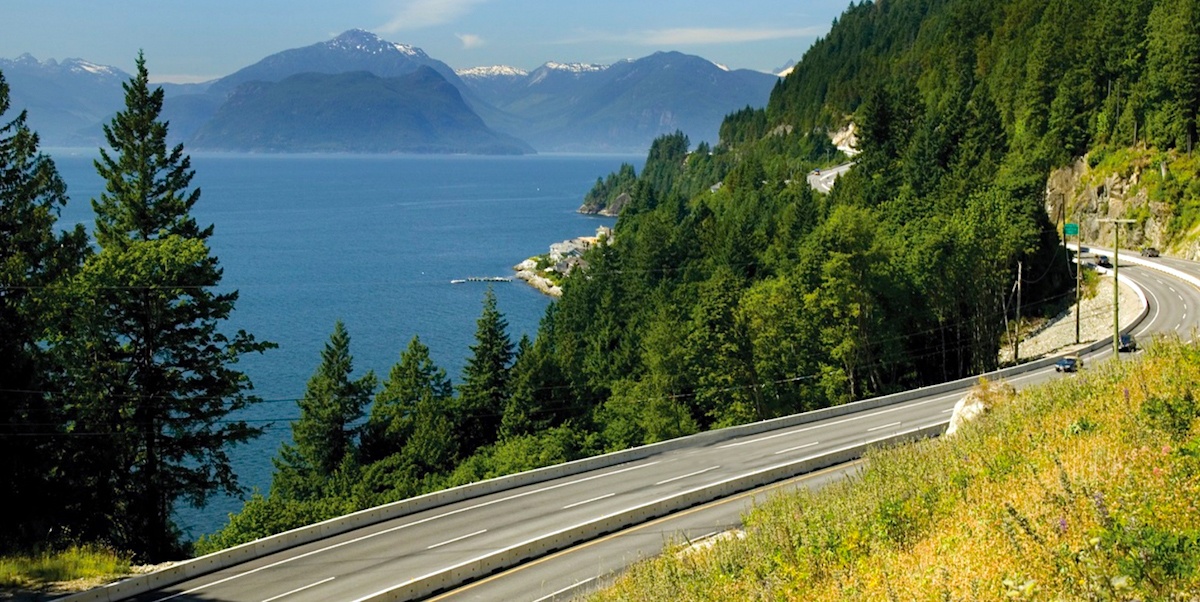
{"x": 369, "y": 563}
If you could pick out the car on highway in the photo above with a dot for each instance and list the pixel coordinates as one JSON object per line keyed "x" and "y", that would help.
{"x": 1067, "y": 364}
{"x": 1103, "y": 261}
{"x": 1149, "y": 252}
{"x": 1127, "y": 343}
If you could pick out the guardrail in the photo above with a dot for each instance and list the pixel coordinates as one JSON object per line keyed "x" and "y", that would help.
{"x": 336, "y": 526}
{"x": 488, "y": 563}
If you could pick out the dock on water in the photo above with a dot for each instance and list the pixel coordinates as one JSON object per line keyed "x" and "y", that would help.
{"x": 482, "y": 279}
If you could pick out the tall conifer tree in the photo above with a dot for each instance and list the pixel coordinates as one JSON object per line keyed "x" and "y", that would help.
{"x": 148, "y": 366}
{"x": 33, "y": 256}
{"x": 484, "y": 392}
{"x": 327, "y": 434}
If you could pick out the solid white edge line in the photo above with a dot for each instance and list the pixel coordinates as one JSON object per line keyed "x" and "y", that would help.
{"x": 690, "y": 474}
{"x": 459, "y": 538}
{"x": 477, "y": 559}
{"x": 595, "y": 499}
{"x": 299, "y": 589}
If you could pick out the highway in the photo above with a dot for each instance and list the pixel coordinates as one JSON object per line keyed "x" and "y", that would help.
{"x": 376, "y": 562}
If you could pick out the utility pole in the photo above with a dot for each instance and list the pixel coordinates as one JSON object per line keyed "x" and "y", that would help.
{"x": 1116, "y": 283}
{"x": 1017, "y": 338}
{"x": 1078, "y": 278}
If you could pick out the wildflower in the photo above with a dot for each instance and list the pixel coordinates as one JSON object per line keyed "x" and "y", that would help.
{"x": 1062, "y": 524}
{"x": 1120, "y": 582}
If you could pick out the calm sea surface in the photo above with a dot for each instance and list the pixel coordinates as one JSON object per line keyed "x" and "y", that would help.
{"x": 373, "y": 241}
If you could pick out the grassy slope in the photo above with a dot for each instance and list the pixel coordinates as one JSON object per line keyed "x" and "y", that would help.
{"x": 1086, "y": 488}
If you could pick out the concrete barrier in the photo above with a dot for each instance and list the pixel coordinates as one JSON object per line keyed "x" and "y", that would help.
{"x": 486, "y": 564}
{"x": 336, "y": 526}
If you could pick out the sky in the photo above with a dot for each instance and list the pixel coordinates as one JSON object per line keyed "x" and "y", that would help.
{"x": 200, "y": 40}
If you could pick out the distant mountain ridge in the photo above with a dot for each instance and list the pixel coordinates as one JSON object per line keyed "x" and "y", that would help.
{"x": 556, "y": 107}
{"x": 66, "y": 99}
{"x": 624, "y": 106}
{"x": 356, "y": 112}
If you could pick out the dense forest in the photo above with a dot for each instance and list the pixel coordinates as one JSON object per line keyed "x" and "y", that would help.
{"x": 711, "y": 305}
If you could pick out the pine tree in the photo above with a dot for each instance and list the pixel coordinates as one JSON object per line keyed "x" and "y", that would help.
{"x": 412, "y": 384}
{"x": 146, "y": 363}
{"x": 484, "y": 392}
{"x": 325, "y": 438}
{"x": 33, "y": 256}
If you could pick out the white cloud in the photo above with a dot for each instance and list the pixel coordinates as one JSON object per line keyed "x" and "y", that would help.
{"x": 702, "y": 35}
{"x": 415, "y": 14}
{"x": 470, "y": 41}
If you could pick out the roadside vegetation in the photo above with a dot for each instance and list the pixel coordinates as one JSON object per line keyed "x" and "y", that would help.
{"x": 31, "y": 573}
{"x": 1082, "y": 489}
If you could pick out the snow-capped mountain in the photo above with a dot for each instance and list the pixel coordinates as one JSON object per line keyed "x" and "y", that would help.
{"x": 496, "y": 71}
{"x": 559, "y": 106}
{"x": 353, "y": 50}
{"x": 64, "y": 99}
{"x": 623, "y": 106}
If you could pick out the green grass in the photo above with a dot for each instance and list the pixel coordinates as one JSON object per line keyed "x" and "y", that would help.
{"x": 38, "y": 571}
{"x": 1083, "y": 489}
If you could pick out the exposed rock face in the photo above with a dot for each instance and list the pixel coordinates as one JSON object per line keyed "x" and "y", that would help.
{"x": 976, "y": 403}
{"x": 1081, "y": 195}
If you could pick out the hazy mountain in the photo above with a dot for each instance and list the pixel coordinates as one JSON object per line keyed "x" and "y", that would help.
{"x": 556, "y": 107}
{"x": 419, "y": 112}
{"x": 66, "y": 101}
{"x": 624, "y": 106}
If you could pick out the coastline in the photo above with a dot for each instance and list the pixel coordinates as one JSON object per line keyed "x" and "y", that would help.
{"x": 527, "y": 271}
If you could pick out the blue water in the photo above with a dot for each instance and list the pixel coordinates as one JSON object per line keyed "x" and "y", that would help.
{"x": 373, "y": 241}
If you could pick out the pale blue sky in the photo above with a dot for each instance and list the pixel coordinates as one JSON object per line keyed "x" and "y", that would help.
{"x": 197, "y": 40}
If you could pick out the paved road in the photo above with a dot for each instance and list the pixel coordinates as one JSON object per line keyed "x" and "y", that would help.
{"x": 375, "y": 559}
{"x": 822, "y": 180}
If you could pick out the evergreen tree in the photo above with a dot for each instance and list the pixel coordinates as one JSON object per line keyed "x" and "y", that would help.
{"x": 484, "y": 392}
{"x": 413, "y": 383}
{"x": 143, "y": 360}
{"x": 325, "y": 437}
{"x": 33, "y": 256}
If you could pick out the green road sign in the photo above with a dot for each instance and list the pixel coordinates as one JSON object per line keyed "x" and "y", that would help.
{"x": 1071, "y": 229}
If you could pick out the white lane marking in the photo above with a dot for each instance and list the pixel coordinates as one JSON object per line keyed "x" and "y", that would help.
{"x": 1172, "y": 289}
{"x": 404, "y": 526}
{"x": 792, "y": 449}
{"x": 595, "y": 499}
{"x": 684, "y": 476}
{"x": 459, "y": 538}
{"x": 947, "y": 411}
{"x": 896, "y": 407}
{"x": 879, "y": 428}
{"x": 299, "y": 589}
{"x": 524, "y": 544}
{"x": 566, "y": 589}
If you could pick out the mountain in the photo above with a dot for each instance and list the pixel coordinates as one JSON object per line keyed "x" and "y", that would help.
{"x": 556, "y": 107}
{"x": 625, "y": 106}
{"x": 66, "y": 100}
{"x": 353, "y": 50}
{"x": 419, "y": 112}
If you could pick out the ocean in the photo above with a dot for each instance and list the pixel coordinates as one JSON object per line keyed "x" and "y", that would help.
{"x": 373, "y": 241}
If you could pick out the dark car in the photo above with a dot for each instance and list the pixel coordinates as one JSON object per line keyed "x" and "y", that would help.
{"x": 1066, "y": 364}
{"x": 1127, "y": 343}
{"x": 1149, "y": 252}
{"x": 1102, "y": 261}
